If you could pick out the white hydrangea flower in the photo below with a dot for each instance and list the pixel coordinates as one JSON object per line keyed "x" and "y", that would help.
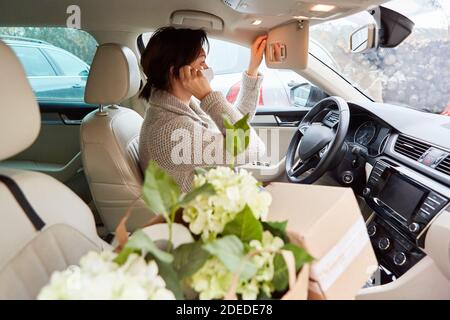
{"x": 208, "y": 214}
{"x": 213, "y": 280}
{"x": 99, "y": 278}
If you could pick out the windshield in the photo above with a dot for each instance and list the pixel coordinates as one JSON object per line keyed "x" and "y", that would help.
{"x": 416, "y": 74}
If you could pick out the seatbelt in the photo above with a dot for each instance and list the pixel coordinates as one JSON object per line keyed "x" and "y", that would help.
{"x": 23, "y": 202}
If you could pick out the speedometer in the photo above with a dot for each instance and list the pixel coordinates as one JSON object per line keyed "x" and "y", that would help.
{"x": 365, "y": 133}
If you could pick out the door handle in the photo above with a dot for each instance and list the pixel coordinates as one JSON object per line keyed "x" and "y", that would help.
{"x": 282, "y": 123}
{"x": 68, "y": 121}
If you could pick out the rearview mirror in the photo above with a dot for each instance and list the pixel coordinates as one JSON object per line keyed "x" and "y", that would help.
{"x": 389, "y": 30}
{"x": 306, "y": 95}
{"x": 364, "y": 39}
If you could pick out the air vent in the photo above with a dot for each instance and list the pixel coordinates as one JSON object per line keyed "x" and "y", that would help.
{"x": 444, "y": 166}
{"x": 410, "y": 148}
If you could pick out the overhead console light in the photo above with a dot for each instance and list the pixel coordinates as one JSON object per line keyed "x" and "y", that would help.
{"x": 322, "y": 8}
{"x": 300, "y": 17}
{"x": 196, "y": 19}
{"x": 256, "y": 22}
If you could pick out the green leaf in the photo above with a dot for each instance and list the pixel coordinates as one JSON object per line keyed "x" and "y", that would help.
{"x": 189, "y": 258}
{"x": 230, "y": 250}
{"x": 140, "y": 242}
{"x": 199, "y": 171}
{"x": 122, "y": 257}
{"x": 237, "y": 136}
{"x": 160, "y": 191}
{"x": 277, "y": 229}
{"x": 207, "y": 189}
{"x": 245, "y": 226}
{"x": 227, "y": 122}
{"x": 243, "y": 123}
{"x": 242, "y": 132}
{"x": 301, "y": 255}
{"x": 280, "y": 279}
{"x": 173, "y": 283}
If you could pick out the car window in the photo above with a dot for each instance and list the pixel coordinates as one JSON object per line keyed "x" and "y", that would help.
{"x": 68, "y": 64}
{"x": 56, "y": 60}
{"x": 225, "y": 57}
{"x": 34, "y": 62}
{"x": 229, "y": 60}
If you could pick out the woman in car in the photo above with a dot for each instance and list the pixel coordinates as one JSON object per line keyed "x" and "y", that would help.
{"x": 183, "y": 127}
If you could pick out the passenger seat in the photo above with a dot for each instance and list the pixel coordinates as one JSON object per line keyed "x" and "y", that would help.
{"x": 44, "y": 226}
{"x": 110, "y": 138}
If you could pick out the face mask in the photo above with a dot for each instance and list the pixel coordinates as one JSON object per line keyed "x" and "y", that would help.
{"x": 208, "y": 74}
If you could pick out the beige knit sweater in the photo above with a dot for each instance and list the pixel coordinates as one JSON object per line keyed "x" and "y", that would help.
{"x": 180, "y": 137}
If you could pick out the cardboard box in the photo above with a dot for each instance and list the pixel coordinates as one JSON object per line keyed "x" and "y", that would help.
{"x": 327, "y": 222}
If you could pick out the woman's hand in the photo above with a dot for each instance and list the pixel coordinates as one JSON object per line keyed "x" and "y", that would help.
{"x": 258, "y": 47}
{"x": 195, "y": 82}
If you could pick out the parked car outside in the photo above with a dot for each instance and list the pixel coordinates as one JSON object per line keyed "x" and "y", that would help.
{"x": 54, "y": 74}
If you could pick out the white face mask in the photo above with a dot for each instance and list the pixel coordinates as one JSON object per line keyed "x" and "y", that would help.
{"x": 208, "y": 74}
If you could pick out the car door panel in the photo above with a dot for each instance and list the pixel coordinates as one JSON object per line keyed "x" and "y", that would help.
{"x": 275, "y": 126}
{"x": 56, "y": 151}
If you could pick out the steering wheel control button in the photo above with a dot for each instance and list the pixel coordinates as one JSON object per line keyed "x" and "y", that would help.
{"x": 366, "y": 192}
{"x": 414, "y": 227}
{"x": 347, "y": 177}
{"x": 372, "y": 230}
{"x": 303, "y": 128}
{"x": 384, "y": 244}
{"x": 399, "y": 259}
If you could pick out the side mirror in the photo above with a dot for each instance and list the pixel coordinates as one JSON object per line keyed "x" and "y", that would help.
{"x": 306, "y": 95}
{"x": 364, "y": 39}
{"x": 84, "y": 73}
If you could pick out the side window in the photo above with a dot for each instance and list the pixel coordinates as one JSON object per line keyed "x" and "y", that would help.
{"x": 34, "y": 62}
{"x": 229, "y": 60}
{"x": 68, "y": 65}
{"x": 56, "y": 60}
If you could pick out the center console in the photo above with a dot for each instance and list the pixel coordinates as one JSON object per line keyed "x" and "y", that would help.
{"x": 405, "y": 205}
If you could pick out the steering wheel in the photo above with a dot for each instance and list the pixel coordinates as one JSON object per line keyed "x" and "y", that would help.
{"x": 315, "y": 146}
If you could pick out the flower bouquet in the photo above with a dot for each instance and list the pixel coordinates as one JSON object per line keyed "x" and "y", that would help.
{"x": 230, "y": 251}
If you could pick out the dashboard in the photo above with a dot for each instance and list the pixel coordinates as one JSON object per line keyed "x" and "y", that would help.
{"x": 368, "y": 133}
{"x": 399, "y": 162}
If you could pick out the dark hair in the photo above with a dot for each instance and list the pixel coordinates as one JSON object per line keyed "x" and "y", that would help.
{"x": 169, "y": 47}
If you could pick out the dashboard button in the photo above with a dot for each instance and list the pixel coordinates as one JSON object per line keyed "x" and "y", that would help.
{"x": 372, "y": 230}
{"x": 437, "y": 198}
{"x": 427, "y": 210}
{"x": 384, "y": 244}
{"x": 414, "y": 227}
{"x": 399, "y": 259}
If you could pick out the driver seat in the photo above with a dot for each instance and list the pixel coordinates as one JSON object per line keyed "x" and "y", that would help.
{"x": 44, "y": 225}
{"x": 110, "y": 138}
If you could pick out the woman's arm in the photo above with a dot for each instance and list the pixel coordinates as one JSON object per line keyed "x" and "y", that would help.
{"x": 248, "y": 97}
{"x": 247, "y": 100}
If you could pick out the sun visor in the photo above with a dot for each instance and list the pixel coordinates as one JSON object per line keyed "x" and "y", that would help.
{"x": 287, "y": 46}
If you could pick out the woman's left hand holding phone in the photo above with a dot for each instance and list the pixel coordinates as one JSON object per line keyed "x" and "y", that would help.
{"x": 195, "y": 82}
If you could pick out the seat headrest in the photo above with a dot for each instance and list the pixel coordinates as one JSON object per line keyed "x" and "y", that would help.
{"x": 20, "y": 119}
{"x": 114, "y": 75}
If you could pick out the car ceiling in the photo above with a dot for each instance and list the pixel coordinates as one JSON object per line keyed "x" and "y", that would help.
{"x": 138, "y": 16}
